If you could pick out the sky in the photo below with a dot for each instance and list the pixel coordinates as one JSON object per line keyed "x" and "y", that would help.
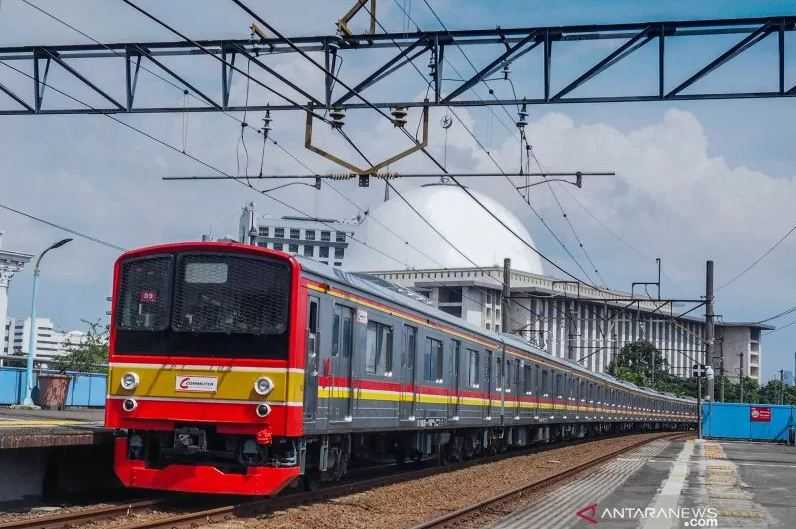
{"x": 694, "y": 180}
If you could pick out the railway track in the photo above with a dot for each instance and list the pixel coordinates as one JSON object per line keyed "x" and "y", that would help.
{"x": 220, "y": 513}
{"x": 82, "y": 516}
{"x": 501, "y": 502}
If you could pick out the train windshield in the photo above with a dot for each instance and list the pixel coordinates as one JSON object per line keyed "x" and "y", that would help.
{"x": 204, "y": 304}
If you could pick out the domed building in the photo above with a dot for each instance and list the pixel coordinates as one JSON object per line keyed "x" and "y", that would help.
{"x": 480, "y": 239}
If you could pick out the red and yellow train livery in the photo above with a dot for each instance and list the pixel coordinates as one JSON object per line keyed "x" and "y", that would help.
{"x": 236, "y": 369}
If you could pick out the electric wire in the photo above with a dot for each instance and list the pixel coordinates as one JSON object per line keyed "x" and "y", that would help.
{"x": 205, "y": 50}
{"x": 500, "y": 168}
{"x": 785, "y": 312}
{"x": 568, "y": 219}
{"x": 756, "y": 261}
{"x": 243, "y": 125}
{"x": 555, "y": 196}
{"x": 196, "y": 159}
{"x": 64, "y": 228}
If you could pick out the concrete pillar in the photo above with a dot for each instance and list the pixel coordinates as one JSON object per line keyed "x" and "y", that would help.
{"x": 10, "y": 264}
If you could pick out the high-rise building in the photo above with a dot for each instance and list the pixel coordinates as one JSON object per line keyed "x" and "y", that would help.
{"x": 50, "y": 342}
{"x": 324, "y": 240}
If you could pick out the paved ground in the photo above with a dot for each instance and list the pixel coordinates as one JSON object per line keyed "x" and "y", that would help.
{"x": 38, "y": 428}
{"x": 668, "y": 485}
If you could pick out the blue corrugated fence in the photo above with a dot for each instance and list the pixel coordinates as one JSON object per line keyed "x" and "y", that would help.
{"x": 85, "y": 389}
{"x": 758, "y": 422}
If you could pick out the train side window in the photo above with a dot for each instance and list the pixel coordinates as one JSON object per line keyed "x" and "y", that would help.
{"x": 343, "y": 331}
{"x": 527, "y": 375}
{"x": 409, "y": 349}
{"x": 558, "y": 385}
{"x": 473, "y": 368}
{"x": 545, "y": 382}
{"x": 433, "y": 361}
{"x": 378, "y": 349}
{"x": 517, "y": 374}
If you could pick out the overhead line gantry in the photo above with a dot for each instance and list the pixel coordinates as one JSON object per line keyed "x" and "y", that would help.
{"x": 512, "y": 45}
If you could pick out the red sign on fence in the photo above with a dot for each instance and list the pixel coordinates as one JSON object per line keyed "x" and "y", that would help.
{"x": 760, "y": 414}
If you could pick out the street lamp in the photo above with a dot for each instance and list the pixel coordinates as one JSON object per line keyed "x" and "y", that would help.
{"x": 28, "y": 402}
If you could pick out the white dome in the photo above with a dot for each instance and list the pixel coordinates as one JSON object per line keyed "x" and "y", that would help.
{"x": 457, "y": 216}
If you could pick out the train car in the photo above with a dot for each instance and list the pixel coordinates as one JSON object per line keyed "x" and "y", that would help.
{"x": 239, "y": 370}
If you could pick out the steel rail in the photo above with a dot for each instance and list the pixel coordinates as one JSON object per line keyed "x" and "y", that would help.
{"x": 456, "y": 517}
{"x": 70, "y": 519}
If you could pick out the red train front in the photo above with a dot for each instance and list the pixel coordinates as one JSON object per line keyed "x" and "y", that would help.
{"x": 206, "y": 380}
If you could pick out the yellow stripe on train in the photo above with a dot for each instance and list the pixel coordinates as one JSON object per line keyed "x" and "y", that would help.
{"x": 223, "y": 382}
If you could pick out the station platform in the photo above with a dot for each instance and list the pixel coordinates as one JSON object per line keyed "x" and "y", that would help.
{"x": 47, "y": 453}
{"x": 45, "y": 428}
{"x": 668, "y": 484}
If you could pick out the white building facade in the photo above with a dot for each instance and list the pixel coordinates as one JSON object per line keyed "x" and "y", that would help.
{"x": 50, "y": 342}
{"x": 570, "y": 323}
{"x": 324, "y": 240}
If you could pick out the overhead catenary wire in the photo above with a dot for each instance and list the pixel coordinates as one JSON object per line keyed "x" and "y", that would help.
{"x": 555, "y": 196}
{"x": 571, "y": 225}
{"x": 64, "y": 228}
{"x": 754, "y": 263}
{"x": 503, "y": 172}
{"x": 194, "y": 158}
{"x": 247, "y": 184}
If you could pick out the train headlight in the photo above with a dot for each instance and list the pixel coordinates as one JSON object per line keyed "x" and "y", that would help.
{"x": 129, "y": 404}
{"x": 130, "y": 380}
{"x": 263, "y": 410}
{"x": 263, "y": 386}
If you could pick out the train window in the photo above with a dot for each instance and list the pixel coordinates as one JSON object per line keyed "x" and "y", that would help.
{"x": 473, "y": 368}
{"x": 144, "y": 300}
{"x": 378, "y": 349}
{"x": 545, "y": 382}
{"x": 559, "y": 385}
{"x": 343, "y": 331}
{"x": 456, "y": 348}
{"x": 410, "y": 348}
{"x": 433, "y": 361}
{"x": 517, "y": 374}
{"x": 527, "y": 377}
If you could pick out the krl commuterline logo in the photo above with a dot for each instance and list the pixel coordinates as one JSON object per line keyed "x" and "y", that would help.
{"x": 692, "y": 517}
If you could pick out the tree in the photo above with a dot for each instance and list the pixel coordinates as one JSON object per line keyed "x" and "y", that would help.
{"x": 91, "y": 354}
{"x": 643, "y": 364}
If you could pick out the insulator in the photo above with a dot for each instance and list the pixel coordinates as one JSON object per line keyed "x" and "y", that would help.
{"x": 432, "y": 67}
{"x": 267, "y": 121}
{"x": 506, "y": 70}
{"x": 337, "y": 115}
{"x": 399, "y": 116}
{"x": 523, "y": 117}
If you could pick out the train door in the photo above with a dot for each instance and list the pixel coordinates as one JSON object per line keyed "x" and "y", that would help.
{"x": 408, "y": 374}
{"x": 490, "y": 383}
{"x": 455, "y": 369}
{"x": 342, "y": 393}
{"x": 516, "y": 388}
{"x": 311, "y": 362}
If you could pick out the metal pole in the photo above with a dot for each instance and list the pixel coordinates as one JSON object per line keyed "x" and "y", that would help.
{"x": 721, "y": 370}
{"x": 781, "y": 385}
{"x": 28, "y": 389}
{"x": 699, "y": 407}
{"x": 505, "y": 321}
{"x": 709, "y": 314}
{"x": 741, "y": 377}
{"x": 28, "y": 400}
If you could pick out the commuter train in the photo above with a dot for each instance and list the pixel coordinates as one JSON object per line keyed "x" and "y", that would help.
{"x": 241, "y": 370}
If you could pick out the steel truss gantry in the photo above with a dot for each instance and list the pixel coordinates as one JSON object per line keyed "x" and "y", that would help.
{"x": 512, "y": 45}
